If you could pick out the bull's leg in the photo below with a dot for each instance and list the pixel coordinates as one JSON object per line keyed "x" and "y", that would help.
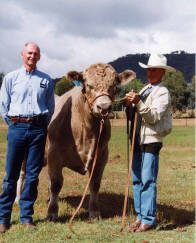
{"x": 55, "y": 185}
{"x": 94, "y": 210}
{"x": 20, "y": 184}
{"x": 20, "y": 181}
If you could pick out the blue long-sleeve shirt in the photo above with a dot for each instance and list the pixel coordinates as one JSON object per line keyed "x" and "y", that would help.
{"x": 26, "y": 94}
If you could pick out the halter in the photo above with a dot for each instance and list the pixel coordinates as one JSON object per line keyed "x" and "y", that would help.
{"x": 91, "y": 101}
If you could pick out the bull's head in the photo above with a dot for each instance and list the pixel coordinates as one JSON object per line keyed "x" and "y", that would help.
{"x": 99, "y": 85}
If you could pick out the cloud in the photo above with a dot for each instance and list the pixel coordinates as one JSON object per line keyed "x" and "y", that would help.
{"x": 98, "y": 19}
{"x": 74, "y": 34}
{"x": 9, "y": 21}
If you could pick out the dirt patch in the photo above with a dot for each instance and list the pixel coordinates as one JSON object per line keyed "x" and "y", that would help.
{"x": 187, "y": 122}
{"x": 3, "y": 127}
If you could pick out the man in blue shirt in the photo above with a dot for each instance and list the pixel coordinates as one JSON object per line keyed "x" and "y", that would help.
{"x": 26, "y": 105}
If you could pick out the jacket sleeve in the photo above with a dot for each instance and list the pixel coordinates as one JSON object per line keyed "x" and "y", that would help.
{"x": 5, "y": 99}
{"x": 155, "y": 110}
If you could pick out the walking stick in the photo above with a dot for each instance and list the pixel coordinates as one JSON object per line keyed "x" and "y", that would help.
{"x": 129, "y": 174}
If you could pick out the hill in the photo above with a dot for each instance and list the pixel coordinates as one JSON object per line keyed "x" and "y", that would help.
{"x": 182, "y": 61}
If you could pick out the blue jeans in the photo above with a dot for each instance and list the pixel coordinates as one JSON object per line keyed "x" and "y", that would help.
{"x": 144, "y": 176}
{"x": 22, "y": 138}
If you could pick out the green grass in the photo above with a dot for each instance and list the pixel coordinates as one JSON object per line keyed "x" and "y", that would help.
{"x": 175, "y": 199}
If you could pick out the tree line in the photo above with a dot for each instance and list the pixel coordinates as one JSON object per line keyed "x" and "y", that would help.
{"x": 182, "y": 93}
{"x": 180, "y": 60}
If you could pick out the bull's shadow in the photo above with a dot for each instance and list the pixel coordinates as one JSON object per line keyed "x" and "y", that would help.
{"x": 111, "y": 205}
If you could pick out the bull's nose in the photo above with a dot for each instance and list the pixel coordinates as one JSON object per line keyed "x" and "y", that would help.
{"x": 104, "y": 108}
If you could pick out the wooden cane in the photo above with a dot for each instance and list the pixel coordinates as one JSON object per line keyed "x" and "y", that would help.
{"x": 129, "y": 174}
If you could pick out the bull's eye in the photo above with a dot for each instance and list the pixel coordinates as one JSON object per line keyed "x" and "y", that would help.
{"x": 90, "y": 86}
{"x": 112, "y": 89}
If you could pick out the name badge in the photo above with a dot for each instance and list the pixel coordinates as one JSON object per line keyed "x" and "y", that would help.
{"x": 42, "y": 84}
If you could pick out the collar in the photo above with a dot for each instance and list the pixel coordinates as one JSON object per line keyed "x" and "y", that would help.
{"x": 154, "y": 85}
{"x": 149, "y": 85}
{"x": 26, "y": 72}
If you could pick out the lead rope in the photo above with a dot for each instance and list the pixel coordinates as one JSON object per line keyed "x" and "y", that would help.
{"x": 89, "y": 180}
{"x": 129, "y": 174}
{"x": 128, "y": 154}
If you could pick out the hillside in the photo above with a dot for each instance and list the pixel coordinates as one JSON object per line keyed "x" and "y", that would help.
{"x": 182, "y": 61}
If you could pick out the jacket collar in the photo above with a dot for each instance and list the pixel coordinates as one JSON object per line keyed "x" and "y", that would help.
{"x": 150, "y": 86}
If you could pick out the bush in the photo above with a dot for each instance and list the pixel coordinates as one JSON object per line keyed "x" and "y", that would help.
{"x": 62, "y": 86}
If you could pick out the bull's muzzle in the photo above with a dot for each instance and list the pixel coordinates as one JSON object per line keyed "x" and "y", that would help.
{"x": 104, "y": 108}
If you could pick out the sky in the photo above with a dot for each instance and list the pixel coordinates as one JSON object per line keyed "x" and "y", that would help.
{"x": 72, "y": 34}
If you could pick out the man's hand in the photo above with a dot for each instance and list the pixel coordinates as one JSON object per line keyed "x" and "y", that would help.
{"x": 132, "y": 98}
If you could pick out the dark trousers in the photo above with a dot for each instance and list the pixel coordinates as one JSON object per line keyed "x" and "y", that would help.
{"x": 22, "y": 138}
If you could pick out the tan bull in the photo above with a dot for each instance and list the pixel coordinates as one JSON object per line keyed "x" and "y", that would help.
{"x": 73, "y": 130}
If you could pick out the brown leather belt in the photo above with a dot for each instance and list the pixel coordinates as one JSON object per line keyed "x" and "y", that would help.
{"x": 33, "y": 119}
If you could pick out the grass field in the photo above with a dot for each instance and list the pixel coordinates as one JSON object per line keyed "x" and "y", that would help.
{"x": 176, "y": 200}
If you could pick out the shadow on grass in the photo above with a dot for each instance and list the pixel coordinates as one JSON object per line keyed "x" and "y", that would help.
{"x": 111, "y": 205}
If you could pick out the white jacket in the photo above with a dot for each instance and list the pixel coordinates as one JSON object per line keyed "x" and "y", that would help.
{"x": 156, "y": 115}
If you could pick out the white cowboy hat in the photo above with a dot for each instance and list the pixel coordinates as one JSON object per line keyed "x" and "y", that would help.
{"x": 157, "y": 61}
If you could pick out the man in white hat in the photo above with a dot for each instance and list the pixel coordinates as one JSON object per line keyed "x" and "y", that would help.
{"x": 154, "y": 122}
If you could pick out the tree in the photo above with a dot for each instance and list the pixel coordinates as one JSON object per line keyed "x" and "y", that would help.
{"x": 1, "y": 78}
{"x": 136, "y": 85}
{"x": 193, "y": 82}
{"x": 178, "y": 89}
{"x": 191, "y": 104}
{"x": 62, "y": 86}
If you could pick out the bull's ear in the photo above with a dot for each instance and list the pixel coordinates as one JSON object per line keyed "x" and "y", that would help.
{"x": 74, "y": 75}
{"x": 126, "y": 77}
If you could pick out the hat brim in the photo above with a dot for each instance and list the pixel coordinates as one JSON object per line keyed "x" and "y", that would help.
{"x": 168, "y": 68}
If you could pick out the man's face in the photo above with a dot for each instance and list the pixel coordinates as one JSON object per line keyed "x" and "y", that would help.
{"x": 30, "y": 56}
{"x": 155, "y": 74}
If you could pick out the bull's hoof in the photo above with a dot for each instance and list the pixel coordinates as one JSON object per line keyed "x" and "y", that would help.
{"x": 92, "y": 219}
{"x": 52, "y": 217}
{"x": 95, "y": 215}
{"x": 100, "y": 218}
{"x": 52, "y": 214}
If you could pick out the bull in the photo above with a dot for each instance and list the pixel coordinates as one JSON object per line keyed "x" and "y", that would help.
{"x": 74, "y": 127}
